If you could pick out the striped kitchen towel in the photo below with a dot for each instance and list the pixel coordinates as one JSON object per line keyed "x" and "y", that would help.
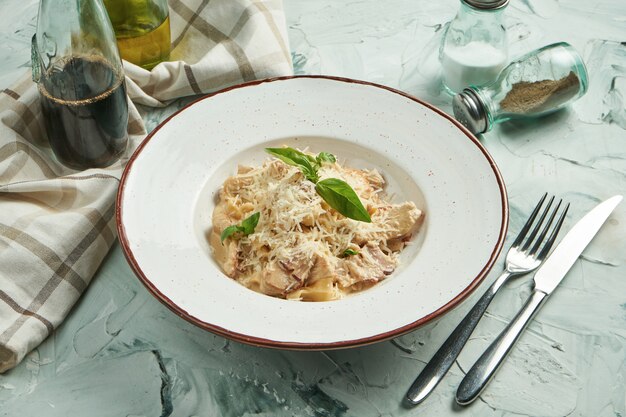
{"x": 57, "y": 224}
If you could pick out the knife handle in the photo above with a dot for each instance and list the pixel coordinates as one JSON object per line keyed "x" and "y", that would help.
{"x": 486, "y": 366}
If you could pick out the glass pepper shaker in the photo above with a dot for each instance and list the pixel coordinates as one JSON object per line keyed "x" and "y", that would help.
{"x": 534, "y": 85}
{"x": 142, "y": 29}
{"x": 78, "y": 71}
{"x": 474, "y": 48}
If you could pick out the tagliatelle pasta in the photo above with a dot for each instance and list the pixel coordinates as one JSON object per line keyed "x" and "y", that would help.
{"x": 301, "y": 248}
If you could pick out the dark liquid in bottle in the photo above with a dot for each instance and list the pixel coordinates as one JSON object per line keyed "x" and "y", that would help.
{"x": 85, "y": 111}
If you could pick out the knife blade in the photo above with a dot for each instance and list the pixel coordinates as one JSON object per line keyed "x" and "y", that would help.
{"x": 575, "y": 241}
{"x": 546, "y": 279}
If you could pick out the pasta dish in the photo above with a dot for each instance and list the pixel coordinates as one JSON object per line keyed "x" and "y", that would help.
{"x": 301, "y": 247}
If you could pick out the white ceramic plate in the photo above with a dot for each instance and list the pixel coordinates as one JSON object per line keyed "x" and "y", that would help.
{"x": 170, "y": 185}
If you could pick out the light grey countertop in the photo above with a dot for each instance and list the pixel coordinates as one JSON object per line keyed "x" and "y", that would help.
{"x": 122, "y": 353}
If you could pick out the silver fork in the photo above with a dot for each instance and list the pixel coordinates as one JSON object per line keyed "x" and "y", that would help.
{"x": 525, "y": 255}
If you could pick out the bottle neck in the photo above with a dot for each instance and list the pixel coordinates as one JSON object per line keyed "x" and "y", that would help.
{"x": 69, "y": 28}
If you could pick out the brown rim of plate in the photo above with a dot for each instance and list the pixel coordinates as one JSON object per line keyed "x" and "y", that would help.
{"x": 261, "y": 342}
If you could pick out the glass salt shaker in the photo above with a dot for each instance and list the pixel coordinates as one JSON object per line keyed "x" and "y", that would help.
{"x": 78, "y": 72}
{"x": 474, "y": 48}
{"x": 539, "y": 83}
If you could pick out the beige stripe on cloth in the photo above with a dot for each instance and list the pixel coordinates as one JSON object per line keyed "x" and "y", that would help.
{"x": 57, "y": 224}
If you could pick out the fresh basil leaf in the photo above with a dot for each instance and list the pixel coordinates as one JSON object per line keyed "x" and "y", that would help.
{"x": 248, "y": 225}
{"x": 294, "y": 157}
{"x": 246, "y": 228}
{"x": 349, "y": 252}
{"x": 340, "y": 196}
{"x": 228, "y": 232}
{"x": 325, "y": 157}
{"x": 311, "y": 159}
{"x": 310, "y": 173}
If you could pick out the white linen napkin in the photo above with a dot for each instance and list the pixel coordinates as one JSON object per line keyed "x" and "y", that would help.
{"x": 57, "y": 224}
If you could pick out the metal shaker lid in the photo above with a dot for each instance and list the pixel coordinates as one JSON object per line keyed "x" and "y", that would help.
{"x": 486, "y": 4}
{"x": 470, "y": 111}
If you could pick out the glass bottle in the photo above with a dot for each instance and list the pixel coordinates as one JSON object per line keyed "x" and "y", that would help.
{"x": 539, "y": 83}
{"x": 78, "y": 71}
{"x": 142, "y": 28}
{"x": 474, "y": 48}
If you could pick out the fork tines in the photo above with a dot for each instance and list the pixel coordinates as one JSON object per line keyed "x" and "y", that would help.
{"x": 533, "y": 234}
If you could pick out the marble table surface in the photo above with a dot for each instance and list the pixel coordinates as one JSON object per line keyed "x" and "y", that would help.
{"x": 122, "y": 353}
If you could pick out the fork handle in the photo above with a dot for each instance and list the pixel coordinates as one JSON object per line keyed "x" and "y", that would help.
{"x": 441, "y": 362}
{"x": 486, "y": 366}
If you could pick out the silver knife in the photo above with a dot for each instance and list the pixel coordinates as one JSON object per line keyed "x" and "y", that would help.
{"x": 545, "y": 281}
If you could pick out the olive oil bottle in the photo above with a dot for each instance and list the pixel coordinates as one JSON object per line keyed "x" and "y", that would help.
{"x": 142, "y": 29}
